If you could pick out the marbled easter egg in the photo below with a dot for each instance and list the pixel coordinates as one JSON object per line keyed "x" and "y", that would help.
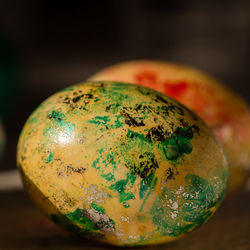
{"x": 121, "y": 164}
{"x": 226, "y": 113}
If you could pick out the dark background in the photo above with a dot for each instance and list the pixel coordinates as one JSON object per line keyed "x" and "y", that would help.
{"x": 46, "y": 45}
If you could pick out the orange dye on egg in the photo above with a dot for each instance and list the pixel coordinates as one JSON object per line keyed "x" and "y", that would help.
{"x": 187, "y": 93}
{"x": 198, "y": 97}
{"x": 175, "y": 90}
{"x": 146, "y": 78}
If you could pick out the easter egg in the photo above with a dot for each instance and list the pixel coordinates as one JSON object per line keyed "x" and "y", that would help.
{"x": 121, "y": 164}
{"x": 226, "y": 113}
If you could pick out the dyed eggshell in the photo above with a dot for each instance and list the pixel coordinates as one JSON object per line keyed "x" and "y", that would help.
{"x": 224, "y": 111}
{"x": 121, "y": 164}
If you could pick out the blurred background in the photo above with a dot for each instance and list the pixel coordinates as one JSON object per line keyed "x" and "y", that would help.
{"x": 46, "y": 45}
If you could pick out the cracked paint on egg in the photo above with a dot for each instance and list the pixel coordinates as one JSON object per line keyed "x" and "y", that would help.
{"x": 226, "y": 113}
{"x": 121, "y": 164}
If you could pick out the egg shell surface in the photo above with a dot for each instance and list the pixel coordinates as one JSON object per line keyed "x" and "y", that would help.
{"x": 121, "y": 164}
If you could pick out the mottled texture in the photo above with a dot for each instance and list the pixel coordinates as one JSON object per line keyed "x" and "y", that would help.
{"x": 121, "y": 164}
{"x": 224, "y": 111}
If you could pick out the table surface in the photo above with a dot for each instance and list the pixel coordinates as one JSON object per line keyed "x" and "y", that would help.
{"x": 23, "y": 226}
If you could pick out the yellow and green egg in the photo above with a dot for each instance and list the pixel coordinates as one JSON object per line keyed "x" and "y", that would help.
{"x": 121, "y": 164}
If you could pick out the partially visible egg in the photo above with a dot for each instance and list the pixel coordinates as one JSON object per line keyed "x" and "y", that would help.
{"x": 224, "y": 111}
{"x": 121, "y": 164}
{"x": 2, "y": 138}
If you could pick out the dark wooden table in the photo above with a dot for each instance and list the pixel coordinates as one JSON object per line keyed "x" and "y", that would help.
{"x": 23, "y": 226}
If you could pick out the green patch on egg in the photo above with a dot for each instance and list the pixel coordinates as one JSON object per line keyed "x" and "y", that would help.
{"x": 98, "y": 208}
{"x": 138, "y": 154}
{"x": 60, "y": 120}
{"x": 122, "y": 185}
{"x": 145, "y": 184}
{"x": 77, "y": 222}
{"x": 100, "y": 120}
{"x": 49, "y": 158}
{"x": 192, "y": 210}
{"x": 178, "y": 144}
{"x": 92, "y": 222}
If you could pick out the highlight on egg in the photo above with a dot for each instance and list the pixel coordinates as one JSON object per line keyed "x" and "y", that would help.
{"x": 226, "y": 113}
{"x": 121, "y": 164}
